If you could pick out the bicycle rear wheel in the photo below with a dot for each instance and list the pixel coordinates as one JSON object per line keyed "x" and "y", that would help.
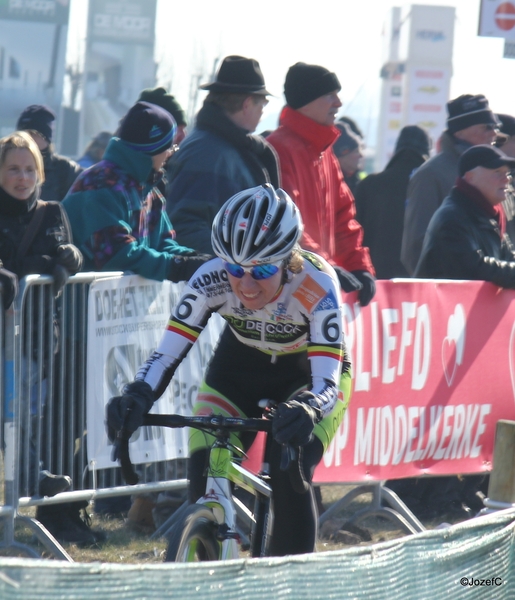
{"x": 193, "y": 537}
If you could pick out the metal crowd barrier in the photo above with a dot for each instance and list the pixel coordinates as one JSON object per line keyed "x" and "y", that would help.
{"x": 43, "y": 408}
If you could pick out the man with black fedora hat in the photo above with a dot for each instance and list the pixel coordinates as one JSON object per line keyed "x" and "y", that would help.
{"x": 312, "y": 177}
{"x": 470, "y": 122}
{"x": 221, "y": 156}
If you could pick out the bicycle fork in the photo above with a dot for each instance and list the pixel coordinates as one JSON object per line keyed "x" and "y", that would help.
{"x": 218, "y": 498}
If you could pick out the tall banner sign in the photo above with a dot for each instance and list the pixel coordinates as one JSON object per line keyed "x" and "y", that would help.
{"x": 434, "y": 370}
{"x": 421, "y": 40}
{"x": 119, "y": 62}
{"x": 126, "y": 318}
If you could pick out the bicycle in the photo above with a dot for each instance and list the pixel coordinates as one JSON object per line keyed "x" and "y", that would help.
{"x": 207, "y": 530}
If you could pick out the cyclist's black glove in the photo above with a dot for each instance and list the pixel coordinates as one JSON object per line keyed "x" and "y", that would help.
{"x": 137, "y": 396}
{"x": 183, "y": 267}
{"x": 295, "y": 420}
{"x": 368, "y": 290}
{"x": 348, "y": 282}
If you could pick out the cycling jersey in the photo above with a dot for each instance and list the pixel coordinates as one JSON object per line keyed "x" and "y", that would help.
{"x": 303, "y": 317}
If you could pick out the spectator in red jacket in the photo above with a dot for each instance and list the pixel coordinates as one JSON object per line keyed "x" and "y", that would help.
{"x": 311, "y": 176}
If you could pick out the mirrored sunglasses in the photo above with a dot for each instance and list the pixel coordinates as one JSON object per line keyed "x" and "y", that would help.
{"x": 258, "y": 272}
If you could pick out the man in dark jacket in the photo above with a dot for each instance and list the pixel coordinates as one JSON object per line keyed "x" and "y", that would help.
{"x": 470, "y": 122}
{"x": 465, "y": 238}
{"x": 220, "y": 157}
{"x": 60, "y": 172}
{"x": 381, "y": 197}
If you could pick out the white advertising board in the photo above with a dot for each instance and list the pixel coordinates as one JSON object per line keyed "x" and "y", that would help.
{"x": 126, "y": 318}
{"x": 428, "y": 93}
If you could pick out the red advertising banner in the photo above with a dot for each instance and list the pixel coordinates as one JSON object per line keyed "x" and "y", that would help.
{"x": 433, "y": 372}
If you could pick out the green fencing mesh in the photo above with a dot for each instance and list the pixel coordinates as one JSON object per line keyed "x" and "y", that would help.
{"x": 432, "y": 565}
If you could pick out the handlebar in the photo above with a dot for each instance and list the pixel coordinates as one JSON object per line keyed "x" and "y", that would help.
{"x": 291, "y": 458}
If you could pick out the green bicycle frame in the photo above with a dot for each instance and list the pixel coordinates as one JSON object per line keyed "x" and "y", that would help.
{"x": 222, "y": 471}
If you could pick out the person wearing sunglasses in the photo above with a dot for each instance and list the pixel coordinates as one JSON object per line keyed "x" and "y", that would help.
{"x": 283, "y": 341}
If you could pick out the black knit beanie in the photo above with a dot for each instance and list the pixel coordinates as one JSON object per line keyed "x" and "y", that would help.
{"x": 468, "y": 110}
{"x": 160, "y": 97}
{"x": 305, "y": 83}
{"x": 415, "y": 138}
{"x": 37, "y": 117}
{"x": 147, "y": 128}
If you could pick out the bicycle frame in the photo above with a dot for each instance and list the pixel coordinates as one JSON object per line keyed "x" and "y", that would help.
{"x": 222, "y": 471}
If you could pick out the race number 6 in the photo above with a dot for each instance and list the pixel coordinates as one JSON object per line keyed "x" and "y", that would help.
{"x": 185, "y": 309}
{"x": 331, "y": 327}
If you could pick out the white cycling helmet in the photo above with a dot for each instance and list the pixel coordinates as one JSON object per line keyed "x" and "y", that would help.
{"x": 257, "y": 226}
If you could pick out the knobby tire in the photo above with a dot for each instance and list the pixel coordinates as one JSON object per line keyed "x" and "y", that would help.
{"x": 193, "y": 537}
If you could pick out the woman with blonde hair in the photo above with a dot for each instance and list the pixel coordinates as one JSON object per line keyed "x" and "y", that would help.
{"x": 35, "y": 238}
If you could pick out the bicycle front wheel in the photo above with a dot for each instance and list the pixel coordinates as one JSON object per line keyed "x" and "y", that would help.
{"x": 193, "y": 537}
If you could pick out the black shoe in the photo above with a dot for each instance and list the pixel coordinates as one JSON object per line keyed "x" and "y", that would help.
{"x": 56, "y": 519}
{"x": 79, "y": 516}
{"x": 50, "y": 485}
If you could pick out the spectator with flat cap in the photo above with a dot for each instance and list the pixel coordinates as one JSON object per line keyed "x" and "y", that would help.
{"x": 312, "y": 177}
{"x": 117, "y": 213}
{"x": 60, "y": 171}
{"x": 165, "y": 100}
{"x": 380, "y": 200}
{"x": 348, "y": 149}
{"x": 465, "y": 238}
{"x": 221, "y": 156}
{"x": 470, "y": 122}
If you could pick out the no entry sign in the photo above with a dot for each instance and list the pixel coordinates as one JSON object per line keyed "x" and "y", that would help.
{"x": 505, "y": 16}
{"x": 497, "y": 19}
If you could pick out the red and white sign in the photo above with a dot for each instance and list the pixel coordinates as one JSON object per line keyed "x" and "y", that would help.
{"x": 505, "y": 16}
{"x": 497, "y": 19}
{"x": 433, "y": 372}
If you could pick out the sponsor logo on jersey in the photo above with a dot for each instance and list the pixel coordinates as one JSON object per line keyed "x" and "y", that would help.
{"x": 280, "y": 313}
{"x": 328, "y": 302}
{"x": 214, "y": 283}
{"x": 241, "y": 311}
{"x": 275, "y": 333}
{"x": 313, "y": 260}
{"x": 309, "y": 293}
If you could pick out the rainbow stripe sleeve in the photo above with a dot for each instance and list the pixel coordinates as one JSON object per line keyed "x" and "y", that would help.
{"x": 179, "y": 328}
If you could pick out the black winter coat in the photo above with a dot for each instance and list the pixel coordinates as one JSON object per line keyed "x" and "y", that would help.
{"x": 464, "y": 242}
{"x": 60, "y": 173}
{"x": 380, "y": 201}
{"x": 54, "y": 231}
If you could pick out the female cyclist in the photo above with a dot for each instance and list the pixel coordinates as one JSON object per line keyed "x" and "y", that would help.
{"x": 283, "y": 341}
